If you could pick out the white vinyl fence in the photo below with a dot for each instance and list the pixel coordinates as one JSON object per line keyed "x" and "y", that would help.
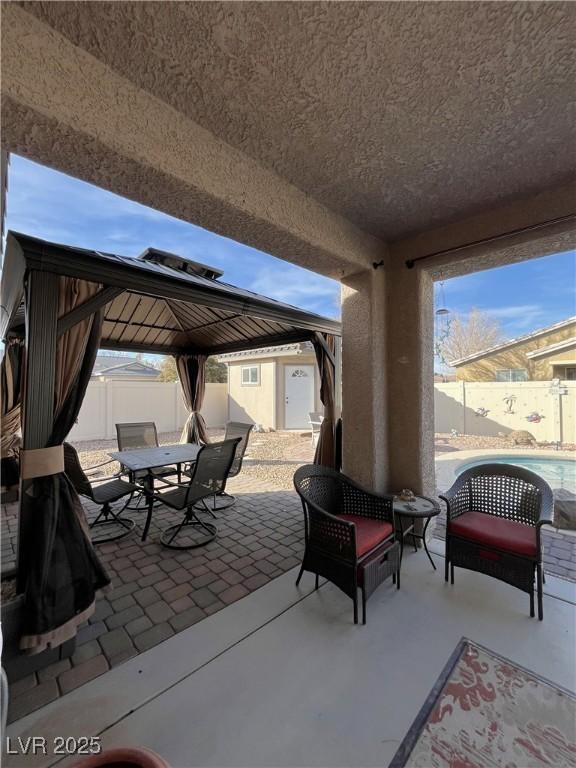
{"x": 109, "y": 402}
{"x": 547, "y": 409}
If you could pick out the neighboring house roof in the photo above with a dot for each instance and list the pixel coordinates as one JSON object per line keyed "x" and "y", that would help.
{"x": 512, "y": 342}
{"x": 282, "y": 350}
{"x": 117, "y": 367}
{"x": 109, "y": 361}
{"x": 552, "y": 348}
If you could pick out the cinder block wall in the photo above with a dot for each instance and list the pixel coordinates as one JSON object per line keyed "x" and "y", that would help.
{"x": 544, "y": 408}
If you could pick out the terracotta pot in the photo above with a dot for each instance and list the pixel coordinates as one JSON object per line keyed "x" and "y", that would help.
{"x": 124, "y": 757}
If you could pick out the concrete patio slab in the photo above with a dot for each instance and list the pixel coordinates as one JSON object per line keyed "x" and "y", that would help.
{"x": 95, "y": 707}
{"x": 308, "y": 688}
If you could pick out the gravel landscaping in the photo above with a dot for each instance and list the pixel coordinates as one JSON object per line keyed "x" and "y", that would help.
{"x": 445, "y": 443}
{"x": 272, "y": 457}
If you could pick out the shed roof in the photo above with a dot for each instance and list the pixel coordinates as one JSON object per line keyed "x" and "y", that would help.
{"x": 279, "y": 350}
{"x": 158, "y": 307}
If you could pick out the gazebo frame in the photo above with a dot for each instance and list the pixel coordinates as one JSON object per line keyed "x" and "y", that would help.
{"x": 222, "y": 318}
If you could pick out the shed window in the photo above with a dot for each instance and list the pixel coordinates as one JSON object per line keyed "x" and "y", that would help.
{"x": 250, "y": 375}
{"x": 512, "y": 374}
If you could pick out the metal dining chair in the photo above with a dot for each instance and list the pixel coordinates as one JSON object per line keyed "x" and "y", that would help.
{"x": 234, "y": 430}
{"x": 103, "y": 491}
{"x": 142, "y": 434}
{"x": 208, "y": 476}
{"x": 315, "y": 419}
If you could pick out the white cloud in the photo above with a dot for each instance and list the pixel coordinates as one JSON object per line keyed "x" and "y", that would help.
{"x": 520, "y": 312}
{"x": 299, "y": 287}
{"x": 522, "y": 318}
{"x": 515, "y": 319}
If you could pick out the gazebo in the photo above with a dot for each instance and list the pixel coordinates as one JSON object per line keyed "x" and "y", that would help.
{"x": 60, "y": 304}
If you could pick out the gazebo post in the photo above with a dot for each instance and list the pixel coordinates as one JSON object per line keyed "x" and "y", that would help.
{"x": 338, "y": 379}
{"x": 38, "y": 395}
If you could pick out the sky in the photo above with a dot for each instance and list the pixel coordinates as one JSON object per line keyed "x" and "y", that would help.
{"x": 50, "y": 205}
{"x": 521, "y": 297}
{"x": 47, "y": 204}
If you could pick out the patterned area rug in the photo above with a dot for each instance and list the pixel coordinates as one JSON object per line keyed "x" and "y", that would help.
{"x": 487, "y": 712}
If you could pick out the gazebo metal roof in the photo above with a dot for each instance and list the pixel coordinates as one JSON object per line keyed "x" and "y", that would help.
{"x": 155, "y": 303}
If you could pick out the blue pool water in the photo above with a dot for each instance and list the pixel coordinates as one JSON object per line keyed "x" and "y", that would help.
{"x": 558, "y": 473}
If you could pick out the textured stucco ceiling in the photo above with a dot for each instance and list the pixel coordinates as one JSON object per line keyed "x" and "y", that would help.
{"x": 399, "y": 116}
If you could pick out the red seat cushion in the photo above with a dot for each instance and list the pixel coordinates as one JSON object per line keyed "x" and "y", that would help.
{"x": 369, "y": 532}
{"x": 496, "y": 532}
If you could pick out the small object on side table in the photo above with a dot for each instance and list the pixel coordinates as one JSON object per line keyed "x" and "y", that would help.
{"x": 416, "y": 508}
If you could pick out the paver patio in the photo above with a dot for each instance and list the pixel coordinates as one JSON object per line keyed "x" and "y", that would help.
{"x": 158, "y": 592}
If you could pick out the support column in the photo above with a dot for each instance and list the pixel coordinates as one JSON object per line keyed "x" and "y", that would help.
{"x": 364, "y": 385}
{"x": 388, "y": 379}
{"x": 410, "y": 369}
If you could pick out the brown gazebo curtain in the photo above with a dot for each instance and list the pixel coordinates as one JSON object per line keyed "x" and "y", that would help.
{"x": 192, "y": 373}
{"x": 11, "y": 369}
{"x": 63, "y": 571}
{"x": 325, "y": 348}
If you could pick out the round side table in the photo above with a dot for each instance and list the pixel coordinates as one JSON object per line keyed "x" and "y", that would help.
{"x": 422, "y": 508}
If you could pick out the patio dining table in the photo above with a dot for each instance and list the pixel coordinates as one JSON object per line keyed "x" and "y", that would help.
{"x": 147, "y": 459}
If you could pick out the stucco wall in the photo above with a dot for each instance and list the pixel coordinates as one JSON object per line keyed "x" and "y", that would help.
{"x": 565, "y": 356}
{"x": 252, "y": 403}
{"x": 515, "y": 357}
{"x": 264, "y": 403}
{"x": 561, "y": 361}
{"x": 109, "y": 402}
{"x": 459, "y": 405}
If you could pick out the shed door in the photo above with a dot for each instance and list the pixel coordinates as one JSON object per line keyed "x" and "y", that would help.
{"x": 299, "y": 395}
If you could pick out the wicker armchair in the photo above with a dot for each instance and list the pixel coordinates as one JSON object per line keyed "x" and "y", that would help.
{"x": 344, "y": 526}
{"x": 495, "y": 513}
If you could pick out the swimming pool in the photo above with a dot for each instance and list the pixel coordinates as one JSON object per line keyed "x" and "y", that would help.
{"x": 558, "y": 473}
